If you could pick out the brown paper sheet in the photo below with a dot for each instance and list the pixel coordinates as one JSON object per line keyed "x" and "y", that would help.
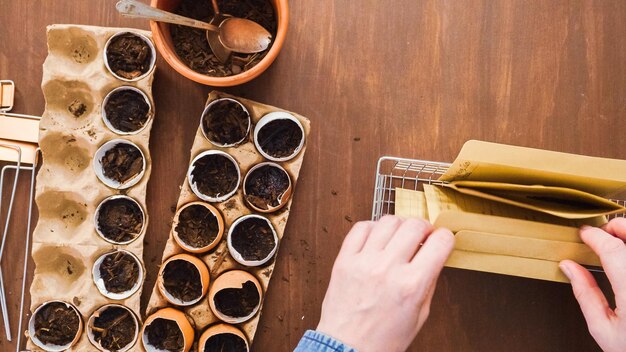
{"x": 410, "y": 204}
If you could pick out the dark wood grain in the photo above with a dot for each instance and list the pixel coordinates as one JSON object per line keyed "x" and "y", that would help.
{"x": 409, "y": 78}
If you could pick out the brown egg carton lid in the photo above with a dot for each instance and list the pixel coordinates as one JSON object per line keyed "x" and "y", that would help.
{"x": 219, "y": 260}
{"x": 65, "y": 242}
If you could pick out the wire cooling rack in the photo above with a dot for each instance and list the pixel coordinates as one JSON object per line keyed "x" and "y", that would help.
{"x": 412, "y": 174}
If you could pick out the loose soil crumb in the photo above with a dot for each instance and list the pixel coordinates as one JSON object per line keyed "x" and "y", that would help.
{"x": 280, "y": 138}
{"x": 165, "y": 334}
{"x": 197, "y": 226}
{"x": 127, "y": 110}
{"x": 119, "y": 271}
{"x": 120, "y": 220}
{"x": 265, "y": 186}
{"x": 56, "y": 324}
{"x": 122, "y": 162}
{"x": 129, "y": 56}
{"x": 237, "y": 302}
{"x": 114, "y": 329}
{"x": 253, "y": 239}
{"x": 225, "y": 343}
{"x": 77, "y": 108}
{"x": 226, "y": 123}
{"x": 214, "y": 175}
{"x": 191, "y": 44}
{"x": 182, "y": 280}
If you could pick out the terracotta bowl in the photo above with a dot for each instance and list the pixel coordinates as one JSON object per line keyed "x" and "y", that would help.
{"x": 165, "y": 46}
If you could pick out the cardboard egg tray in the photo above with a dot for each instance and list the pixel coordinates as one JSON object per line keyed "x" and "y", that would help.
{"x": 219, "y": 260}
{"x": 65, "y": 242}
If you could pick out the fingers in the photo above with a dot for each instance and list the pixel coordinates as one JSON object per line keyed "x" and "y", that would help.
{"x": 356, "y": 238}
{"x": 617, "y": 227}
{"x": 405, "y": 242}
{"x": 592, "y": 302}
{"x": 612, "y": 253}
{"x": 381, "y": 233}
{"x": 430, "y": 259}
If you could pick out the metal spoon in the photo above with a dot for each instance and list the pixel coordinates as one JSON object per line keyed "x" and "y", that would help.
{"x": 219, "y": 50}
{"x": 236, "y": 34}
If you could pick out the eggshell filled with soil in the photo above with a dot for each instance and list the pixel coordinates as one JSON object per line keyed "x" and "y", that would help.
{"x": 118, "y": 274}
{"x": 214, "y": 176}
{"x": 225, "y": 122}
{"x": 55, "y": 326}
{"x": 235, "y": 296}
{"x": 267, "y": 187}
{"x": 223, "y": 337}
{"x": 183, "y": 280}
{"x": 119, "y": 219}
{"x": 129, "y": 56}
{"x": 279, "y": 136}
{"x": 168, "y": 329}
{"x": 198, "y": 227}
{"x": 113, "y": 327}
{"x": 252, "y": 240}
{"x": 126, "y": 110}
{"x": 119, "y": 164}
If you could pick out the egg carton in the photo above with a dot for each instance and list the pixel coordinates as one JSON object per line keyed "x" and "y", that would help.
{"x": 65, "y": 242}
{"x": 219, "y": 260}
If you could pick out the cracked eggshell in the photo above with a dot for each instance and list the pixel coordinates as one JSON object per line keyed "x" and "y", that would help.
{"x": 220, "y": 329}
{"x": 193, "y": 186}
{"x": 234, "y": 279}
{"x": 97, "y": 215}
{"x": 97, "y": 313}
{"x": 99, "y": 282}
{"x": 204, "y": 278}
{"x": 205, "y": 112}
{"x": 282, "y": 201}
{"x": 274, "y": 116}
{"x": 152, "y": 58}
{"x": 98, "y": 169}
{"x": 54, "y": 348}
{"x": 174, "y": 315}
{"x": 237, "y": 256}
{"x": 104, "y": 113}
{"x": 216, "y": 241}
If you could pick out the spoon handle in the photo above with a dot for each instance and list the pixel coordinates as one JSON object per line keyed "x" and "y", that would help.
{"x": 136, "y": 9}
{"x": 216, "y": 8}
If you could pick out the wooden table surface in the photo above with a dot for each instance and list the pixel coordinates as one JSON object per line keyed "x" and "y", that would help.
{"x": 403, "y": 78}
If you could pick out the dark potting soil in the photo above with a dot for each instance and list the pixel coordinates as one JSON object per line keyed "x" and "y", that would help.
{"x": 165, "y": 334}
{"x": 225, "y": 342}
{"x": 265, "y": 185}
{"x": 56, "y": 324}
{"x": 122, "y": 162}
{"x": 253, "y": 239}
{"x": 129, "y": 56}
{"x": 226, "y": 122}
{"x": 237, "y": 302}
{"x": 215, "y": 175}
{"x": 197, "y": 226}
{"x": 182, "y": 280}
{"x": 280, "y": 138}
{"x": 127, "y": 110}
{"x": 120, "y": 220}
{"x": 77, "y": 108}
{"x": 119, "y": 271}
{"x": 114, "y": 329}
{"x": 191, "y": 44}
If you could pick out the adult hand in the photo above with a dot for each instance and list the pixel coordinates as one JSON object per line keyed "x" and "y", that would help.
{"x": 382, "y": 283}
{"x": 607, "y": 326}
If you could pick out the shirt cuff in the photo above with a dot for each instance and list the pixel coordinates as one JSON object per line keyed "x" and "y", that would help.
{"x": 315, "y": 341}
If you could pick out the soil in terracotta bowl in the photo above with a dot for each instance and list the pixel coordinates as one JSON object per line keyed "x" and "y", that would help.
{"x": 127, "y": 110}
{"x": 182, "y": 280}
{"x": 114, "y": 329}
{"x": 191, "y": 44}
{"x": 226, "y": 123}
{"x": 120, "y": 220}
{"x": 280, "y": 138}
{"x": 129, "y": 56}
{"x": 119, "y": 271}
{"x": 265, "y": 185}
{"x": 225, "y": 342}
{"x": 215, "y": 175}
{"x": 253, "y": 239}
{"x": 165, "y": 334}
{"x": 122, "y": 162}
{"x": 237, "y": 302}
{"x": 56, "y": 324}
{"x": 197, "y": 226}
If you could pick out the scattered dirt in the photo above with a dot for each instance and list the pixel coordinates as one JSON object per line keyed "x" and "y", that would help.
{"x": 165, "y": 334}
{"x": 226, "y": 123}
{"x": 265, "y": 186}
{"x": 114, "y": 329}
{"x": 191, "y": 44}
{"x": 253, "y": 239}
{"x": 225, "y": 342}
{"x": 215, "y": 175}
{"x": 119, "y": 271}
{"x": 127, "y": 110}
{"x": 197, "y": 226}
{"x": 122, "y": 162}
{"x": 56, "y": 324}
{"x": 280, "y": 138}
{"x": 120, "y": 220}
{"x": 77, "y": 108}
{"x": 182, "y": 280}
{"x": 129, "y": 56}
{"x": 237, "y": 302}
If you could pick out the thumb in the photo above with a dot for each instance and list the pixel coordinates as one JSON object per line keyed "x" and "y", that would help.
{"x": 592, "y": 301}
